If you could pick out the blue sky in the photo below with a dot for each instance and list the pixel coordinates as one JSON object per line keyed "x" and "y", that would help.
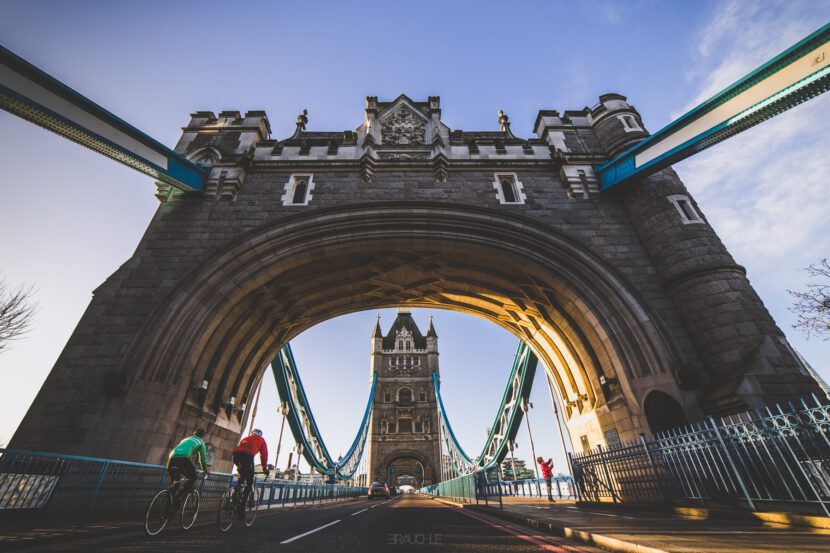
{"x": 69, "y": 217}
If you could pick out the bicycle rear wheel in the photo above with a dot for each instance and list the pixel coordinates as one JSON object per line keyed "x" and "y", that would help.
{"x": 252, "y": 506}
{"x": 159, "y": 512}
{"x": 190, "y": 509}
{"x": 227, "y": 511}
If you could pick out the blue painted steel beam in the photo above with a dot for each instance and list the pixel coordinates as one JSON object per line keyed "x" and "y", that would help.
{"x": 508, "y": 417}
{"x": 36, "y": 96}
{"x": 304, "y": 427}
{"x": 791, "y": 78}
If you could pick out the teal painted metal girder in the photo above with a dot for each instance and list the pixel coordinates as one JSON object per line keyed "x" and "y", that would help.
{"x": 791, "y": 78}
{"x": 304, "y": 427}
{"x": 36, "y": 96}
{"x": 508, "y": 418}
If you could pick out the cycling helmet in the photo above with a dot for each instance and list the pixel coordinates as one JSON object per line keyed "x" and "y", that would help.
{"x": 199, "y": 432}
{"x": 257, "y": 432}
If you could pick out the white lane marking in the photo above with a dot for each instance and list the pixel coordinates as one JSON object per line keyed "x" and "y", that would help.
{"x": 360, "y": 511}
{"x": 289, "y": 540}
{"x": 373, "y": 506}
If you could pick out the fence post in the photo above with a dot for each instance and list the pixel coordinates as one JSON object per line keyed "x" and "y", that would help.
{"x": 101, "y": 474}
{"x": 581, "y": 482}
{"x": 607, "y": 473}
{"x": 653, "y": 468}
{"x": 731, "y": 462}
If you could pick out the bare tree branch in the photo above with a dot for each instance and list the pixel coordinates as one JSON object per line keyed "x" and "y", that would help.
{"x": 16, "y": 313}
{"x": 813, "y": 305}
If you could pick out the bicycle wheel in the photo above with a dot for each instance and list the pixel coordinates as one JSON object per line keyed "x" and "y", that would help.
{"x": 190, "y": 509}
{"x": 252, "y": 506}
{"x": 227, "y": 511}
{"x": 159, "y": 512}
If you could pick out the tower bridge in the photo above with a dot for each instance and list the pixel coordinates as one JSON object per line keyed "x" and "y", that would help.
{"x": 580, "y": 240}
{"x": 629, "y": 299}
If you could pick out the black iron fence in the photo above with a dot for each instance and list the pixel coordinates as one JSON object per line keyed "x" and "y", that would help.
{"x": 777, "y": 456}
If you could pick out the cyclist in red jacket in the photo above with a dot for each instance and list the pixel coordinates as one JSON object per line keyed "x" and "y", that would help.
{"x": 243, "y": 458}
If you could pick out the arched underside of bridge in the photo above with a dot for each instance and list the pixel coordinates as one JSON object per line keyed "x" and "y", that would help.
{"x": 233, "y": 314}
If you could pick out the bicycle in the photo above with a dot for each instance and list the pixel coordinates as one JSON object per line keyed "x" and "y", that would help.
{"x": 232, "y": 504}
{"x": 163, "y": 506}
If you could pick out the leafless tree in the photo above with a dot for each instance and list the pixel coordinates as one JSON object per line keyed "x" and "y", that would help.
{"x": 813, "y": 305}
{"x": 17, "y": 312}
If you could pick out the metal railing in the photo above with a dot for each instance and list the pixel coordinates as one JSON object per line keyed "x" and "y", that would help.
{"x": 778, "y": 457}
{"x": 484, "y": 485}
{"x": 69, "y": 489}
{"x": 562, "y": 487}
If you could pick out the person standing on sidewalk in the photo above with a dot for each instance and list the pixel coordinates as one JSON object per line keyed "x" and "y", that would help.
{"x": 547, "y": 474}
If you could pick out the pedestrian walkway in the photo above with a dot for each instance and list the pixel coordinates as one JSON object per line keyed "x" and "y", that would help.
{"x": 630, "y": 530}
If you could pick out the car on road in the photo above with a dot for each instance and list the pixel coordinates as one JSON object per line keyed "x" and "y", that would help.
{"x": 378, "y": 489}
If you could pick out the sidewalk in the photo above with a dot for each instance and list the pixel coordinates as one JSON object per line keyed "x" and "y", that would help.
{"x": 629, "y": 530}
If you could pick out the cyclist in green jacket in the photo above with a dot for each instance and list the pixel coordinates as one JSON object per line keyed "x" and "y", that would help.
{"x": 181, "y": 458}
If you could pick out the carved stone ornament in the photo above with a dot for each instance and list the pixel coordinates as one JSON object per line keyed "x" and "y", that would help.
{"x": 404, "y": 156}
{"x": 403, "y": 127}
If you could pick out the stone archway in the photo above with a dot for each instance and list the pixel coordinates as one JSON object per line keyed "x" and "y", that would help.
{"x": 663, "y": 412}
{"x": 407, "y": 463}
{"x": 584, "y": 321}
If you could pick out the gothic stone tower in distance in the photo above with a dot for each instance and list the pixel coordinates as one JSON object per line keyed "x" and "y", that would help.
{"x": 404, "y": 446}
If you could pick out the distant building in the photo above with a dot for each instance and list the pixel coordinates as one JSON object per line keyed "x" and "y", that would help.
{"x": 522, "y": 472}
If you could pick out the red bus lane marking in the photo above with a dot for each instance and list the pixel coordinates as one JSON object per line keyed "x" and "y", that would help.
{"x": 541, "y": 540}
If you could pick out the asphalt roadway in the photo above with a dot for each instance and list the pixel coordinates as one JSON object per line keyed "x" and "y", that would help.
{"x": 404, "y": 523}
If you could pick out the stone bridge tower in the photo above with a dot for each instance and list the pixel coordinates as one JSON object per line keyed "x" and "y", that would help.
{"x": 404, "y": 445}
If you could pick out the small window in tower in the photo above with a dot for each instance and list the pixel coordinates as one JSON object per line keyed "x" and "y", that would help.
{"x": 419, "y": 427}
{"x": 392, "y": 427}
{"x": 399, "y": 345}
{"x": 629, "y": 123}
{"x": 404, "y": 425}
{"x": 404, "y": 395}
{"x": 687, "y": 211}
{"x": 509, "y": 190}
{"x": 422, "y": 396}
{"x": 387, "y": 397}
{"x": 408, "y": 345}
{"x": 298, "y": 190}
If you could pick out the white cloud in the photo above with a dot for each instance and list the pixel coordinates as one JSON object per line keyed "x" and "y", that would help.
{"x": 766, "y": 190}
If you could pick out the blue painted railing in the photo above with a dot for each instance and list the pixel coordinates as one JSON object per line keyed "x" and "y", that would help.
{"x": 70, "y": 489}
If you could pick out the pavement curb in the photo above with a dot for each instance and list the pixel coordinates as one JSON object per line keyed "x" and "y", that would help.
{"x": 784, "y": 519}
{"x": 606, "y": 542}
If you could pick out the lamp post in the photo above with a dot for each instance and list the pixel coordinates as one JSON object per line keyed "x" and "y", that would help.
{"x": 284, "y": 412}
{"x": 526, "y": 407}
{"x": 558, "y": 422}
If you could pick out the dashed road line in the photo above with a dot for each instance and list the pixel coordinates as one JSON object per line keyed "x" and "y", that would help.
{"x": 289, "y": 540}
{"x": 360, "y": 511}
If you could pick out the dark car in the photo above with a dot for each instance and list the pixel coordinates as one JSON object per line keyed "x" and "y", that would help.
{"x": 378, "y": 489}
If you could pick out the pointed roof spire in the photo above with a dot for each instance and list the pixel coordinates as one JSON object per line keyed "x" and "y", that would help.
{"x": 431, "y": 329}
{"x": 378, "y": 333}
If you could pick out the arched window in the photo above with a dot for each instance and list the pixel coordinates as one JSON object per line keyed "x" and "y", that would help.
{"x": 508, "y": 191}
{"x": 663, "y": 412}
{"x": 300, "y": 189}
{"x": 405, "y": 394}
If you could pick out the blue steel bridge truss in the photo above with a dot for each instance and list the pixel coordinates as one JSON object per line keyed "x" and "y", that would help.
{"x": 313, "y": 448}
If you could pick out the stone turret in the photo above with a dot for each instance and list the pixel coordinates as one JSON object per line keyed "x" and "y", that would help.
{"x": 616, "y": 123}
